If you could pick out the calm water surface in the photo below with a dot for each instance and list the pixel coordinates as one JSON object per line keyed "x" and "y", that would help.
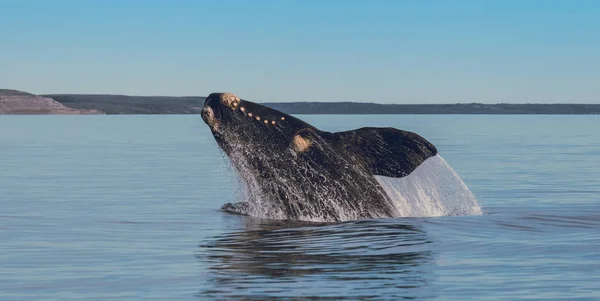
{"x": 127, "y": 208}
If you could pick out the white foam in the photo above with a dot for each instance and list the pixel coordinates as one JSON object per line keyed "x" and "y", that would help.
{"x": 433, "y": 189}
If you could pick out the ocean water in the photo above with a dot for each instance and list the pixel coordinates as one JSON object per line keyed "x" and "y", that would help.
{"x": 127, "y": 208}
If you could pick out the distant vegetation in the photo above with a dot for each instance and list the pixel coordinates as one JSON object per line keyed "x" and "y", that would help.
{"x": 120, "y": 104}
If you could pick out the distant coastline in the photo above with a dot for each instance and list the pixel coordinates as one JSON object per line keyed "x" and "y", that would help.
{"x": 122, "y": 104}
{"x": 17, "y": 102}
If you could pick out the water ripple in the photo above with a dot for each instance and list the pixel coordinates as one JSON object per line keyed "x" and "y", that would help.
{"x": 364, "y": 256}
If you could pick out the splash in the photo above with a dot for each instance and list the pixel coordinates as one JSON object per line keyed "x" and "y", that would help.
{"x": 433, "y": 189}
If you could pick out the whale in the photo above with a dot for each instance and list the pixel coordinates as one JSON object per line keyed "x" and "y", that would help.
{"x": 291, "y": 170}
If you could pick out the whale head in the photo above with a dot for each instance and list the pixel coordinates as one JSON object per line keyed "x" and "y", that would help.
{"x": 235, "y": 122}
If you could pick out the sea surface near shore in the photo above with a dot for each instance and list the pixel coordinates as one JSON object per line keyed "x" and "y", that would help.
{"x": 106, "y": 207}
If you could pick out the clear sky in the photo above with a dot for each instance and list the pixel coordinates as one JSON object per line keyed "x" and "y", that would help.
{"x": 281, "y": 50}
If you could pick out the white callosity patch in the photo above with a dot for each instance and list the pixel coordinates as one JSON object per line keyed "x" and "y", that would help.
{"x": 433, "y": 189}
{"x": 300, "y": 144}
{"x": 229, "y": 100}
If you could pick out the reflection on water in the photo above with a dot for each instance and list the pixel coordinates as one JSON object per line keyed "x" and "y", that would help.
{"x": 274, "y": 260}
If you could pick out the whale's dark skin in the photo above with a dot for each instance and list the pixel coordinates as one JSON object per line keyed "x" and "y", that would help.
{"x": 307, "y": 173}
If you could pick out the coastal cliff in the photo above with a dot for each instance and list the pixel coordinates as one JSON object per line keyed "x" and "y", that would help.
{"x": 13, "y": 102}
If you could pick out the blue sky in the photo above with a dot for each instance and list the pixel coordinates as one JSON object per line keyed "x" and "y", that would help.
{"x": 373, "y": 51}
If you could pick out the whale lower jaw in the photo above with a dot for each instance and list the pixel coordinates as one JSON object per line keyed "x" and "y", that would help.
{"x": 432, "y": 189}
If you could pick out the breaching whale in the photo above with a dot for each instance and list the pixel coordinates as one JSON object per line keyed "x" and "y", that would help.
{"x": 292, "y": 170}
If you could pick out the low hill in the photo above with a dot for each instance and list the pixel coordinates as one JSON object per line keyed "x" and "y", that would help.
{"x": 15, "y": 102}
{"x": 123, "y": 104}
